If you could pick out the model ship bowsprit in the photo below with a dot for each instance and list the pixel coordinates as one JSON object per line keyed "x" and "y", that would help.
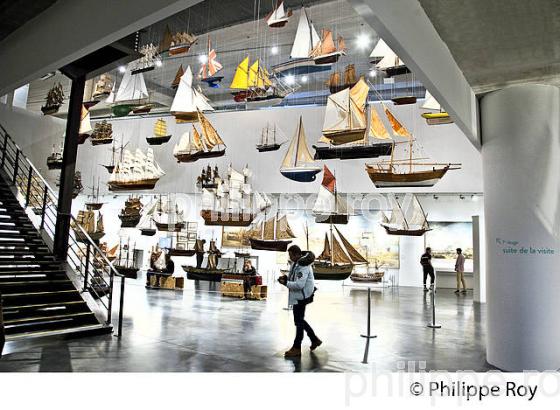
{"x": 54, "y": 100}
{"x": 131, "y": 213}
{"x": 195, "y": 146}
{"x": 102, "y": 133}
{"x": 273, "y": 234}
{"x": 161, "y": 135}
{"x": 135, "y": 172}
{"x": 413, "y": 222}
{"x": 330, "y": 207}
{"x": 211, "y": 272}
{"x": 298, "y": 164}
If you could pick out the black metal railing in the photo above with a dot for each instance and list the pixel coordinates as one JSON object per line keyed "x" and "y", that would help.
{"x": 95, "y": 274}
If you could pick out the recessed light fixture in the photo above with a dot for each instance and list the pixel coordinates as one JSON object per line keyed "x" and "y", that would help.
{"x": 122, "y": 69}
{"x": 203, "y": 59}
{"x": 363, "y": 41}
{"x": 274, "y": 50}
{"x": 48, "y": 75}
{"x": 159, "y": 63}
{"x": 304, "y": 79}
{"x": 373, "y": 73}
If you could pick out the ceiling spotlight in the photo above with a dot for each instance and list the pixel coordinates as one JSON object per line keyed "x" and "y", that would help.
{"x": 122, "y": 69}
{"x": 203, "y": 59}
{"x": 158, "y": 63}
{"x": 274, "y": 50}
{"x": 363, "y": 41}
{"x": 290, "y": 79}
{"x": 373, "y": 73}
{"x": 48, "y": 75}
{"x": 304, "y": 79}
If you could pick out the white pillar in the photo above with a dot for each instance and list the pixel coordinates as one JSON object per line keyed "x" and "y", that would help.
{"x": 521, "y": 169}
{"x": 479, "y": 259}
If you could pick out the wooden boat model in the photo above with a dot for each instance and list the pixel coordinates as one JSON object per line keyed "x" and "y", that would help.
{"x": 274, "y": 234}
{"x": 93, "y": 203}
{"x": 148, "y": 60}
{"x": 181, "y": 43}
{"x": 161, "y": 136}
{"x": 131, "y": 213}
{"x": 188, "y": 102}
{"x": 350, "y": 80}
{"x": 126, "y": 263}
{"x": 436, "y": 116}
{"x": 148, "y": 231}
{"x": 167, "y": 216}
{"x": 77, "y": 187}
{"x": 278, "y": 17}
{"x": 124, "y": 178}
{"x": 142, "y": 108}
{"x": 183, "y": 243}
{"x": 91, "y": 226}
{"x": 54, "y": 100}
{"x": 103, "y": 87}
{"x": 330, "y": 207}
{"x": 217, "y": 218}
{"x": 102, "y": 133}
{"x": 412, "y": 222}
{"x": 298, "y": 164}
{"x": 367, "y": 277}
{"x": 404, "y": 100}
{"x": 211, "y": 272}
{"x": 386, "y": 60}
{"x": 195, "y": 146}
{"x": 265, "y": 144}
{"x": 131, "y": 95}
{"x": 209, "y": 70}
{"x": 55, "y": 160}
{"x": 326, "y": 52}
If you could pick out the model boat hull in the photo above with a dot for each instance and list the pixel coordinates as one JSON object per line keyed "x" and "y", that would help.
{"x": 355, "y": 152}
{"x": 109, "y": 168}
{"x": 345, "y": 137}
{"x": 82, "y": 138}
{"x": 404, "y": 100}
{"x": 181, "y": 117}
{"x": 328, "y": 58}
{"x": 213, "y": 81}
{"x": 299, "y": 67}
{"x": 176, "y": 227}
{"x": 142, "y": 70}
{"x": 389, "y": 179}
{"x": 367, "y": 277}
{"x": 89, "y": 104}
{"x": 94, "y": 206}
{"x": 215, "y": 218}
{"x": 438, "y": 118}
{"x": 121, "y": 110}
{"x": 129, "y": 273}
{"x": 50, "y": 110}
{"x": 128, "y": 221}
{"x": 181, "y": 252}
{"x": 336, "y": 219}
{"x": 132, "y": 186}
{"x": 301, "y": 175}
{"x": 142, "y": 109}
{"x": 199, "y": 155}
{"x": 326, "y": 271}
{"x": 148, "y": 232}
{"x": 272, "y": 245}
{"x": 268, "y": 101}
{"x": 211, "y": 275}
{"x": 397, "y": 70}
{"x": 95, "y": 236}
{"x": 241, "y": 254}
{"x": 267, "y": 148}
{"x": 179, "y": 49}
{"x": 54, "y": 164}
{"x": 158, "y": 140}
{"x": 403, "y": 232}
{"x": 278, "y": 23}
{"x": 101, "y": 141}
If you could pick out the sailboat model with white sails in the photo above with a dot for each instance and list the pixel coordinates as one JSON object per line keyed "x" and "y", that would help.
{"x": 161, "y": 135}
{"x": 436, "y": 115}
{"x": 210, "y": 68}
{"x": 338, "y": 258}
{"x": 278, "y": 17}
{"x": 298, "y": 164}
{"x": 146, "y": 225}
{"x": 168, "y": 217}
{"x": 188, "y": 102}
{"x": 137, "y": 171}
{"x": 192, "y": 147}
{"x": 386, "y": 60}
{"x": 413, "y": 222}
{"x": 330, "y": 207}
{"x": 132, "y": 93}
{"x": 273, "y": 234}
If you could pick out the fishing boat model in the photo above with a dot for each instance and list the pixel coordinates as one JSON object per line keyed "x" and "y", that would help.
{"x": 177, "y": 79}
{"x": 298, "y": 164}
{"x": 368, "y": 277}
{"x": 386, "y": 60}
{"x": 54, "y": 161}
{"x": 192, "y": 147}
{"x": 268, "y": 140}
{"x": 210, "y": 68}
{"x": 93, "y": 202}
{"x": 77, "y": 187}
{"x": 330, "y": 207}
{"x": 413, "y": 222}
{"x": 350, "y": 79}
{"x": 209, "y": 179}
{"x": 85, "y": 126}
{"x": 181, "y": 43}
{"x": 55, "y": 98}
{"x": 326, "y": 52}
{"x": 161, "y": 135}
{"x": 230, "y": 204}
{"x": 146, "y": 225}
{"x": 278, "y": 17}
{"x": 188, "y": 101}
{"x": 135, "y": 172}
{"x": 273, "y": 234}
{"x": 132, "y": 93}
{"x": 305, "y": 41}
{"x": 126, "y": 263}
{"x": 103, "y": 87}
{"x": 167, "y": 216}
{"x": 338, "y": 258}
{"x": 93, "y": 226}
{"x": 183, "y": 243}
{"x": 211, "y": 272}
{"x": 102, "y": 133}
{"x": 436, "y": 116}
{"x": 131, "y": 213}
{"x": 402, "y": 173}
{"x": 148, "y": 60}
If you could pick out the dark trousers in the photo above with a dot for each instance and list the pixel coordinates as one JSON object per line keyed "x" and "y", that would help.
{"x": 301, "y": 325}
{"x": 429, "y": 270}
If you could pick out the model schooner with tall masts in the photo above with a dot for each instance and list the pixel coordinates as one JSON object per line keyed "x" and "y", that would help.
{"x": 330, "y": 207}
{"x": 167, "y": 216}
{"x": 268, "y": 140}
{"x": 436, "y": 114}
{"x": 337, "y": 83}
{"x": 137, "y": 171}
{"x": 210, "y": 68}
{"x": 132, "y": 93}
{"x": 410, "y": 222}
{"x": 195, "y": 146}
{"x": 93, "y": 202}
{"x": 188, "y": 102}
{"x": 326, "y": 51}
{"x": 298, "y": 164}
{"x": 278, "y": 17}
{"x": 271, "y": 234}
{"x": 161, "y": 135}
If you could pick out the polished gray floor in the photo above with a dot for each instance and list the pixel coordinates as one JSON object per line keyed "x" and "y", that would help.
{"x": 199, "y": 331}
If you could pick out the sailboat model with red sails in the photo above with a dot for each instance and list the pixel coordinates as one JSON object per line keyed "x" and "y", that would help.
{"x": 330, "y": 207}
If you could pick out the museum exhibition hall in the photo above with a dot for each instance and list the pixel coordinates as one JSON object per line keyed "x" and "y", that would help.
{"x": 180, "y": 179}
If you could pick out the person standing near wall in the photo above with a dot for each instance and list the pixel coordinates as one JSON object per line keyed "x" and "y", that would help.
{"x": 428, "y": 269}
{"x": 460, "y": 269}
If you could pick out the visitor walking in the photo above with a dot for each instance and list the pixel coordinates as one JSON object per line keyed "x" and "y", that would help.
{"x": 301, "y": 284}
{"x": 460, "y": 269}
{"x": 428, "y": 269}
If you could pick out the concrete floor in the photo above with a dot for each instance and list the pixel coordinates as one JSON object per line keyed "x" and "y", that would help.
{"x": 199, "y": 331}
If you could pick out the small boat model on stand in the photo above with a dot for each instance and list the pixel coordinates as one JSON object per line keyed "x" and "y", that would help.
{"x": 326, "y": 52}
{"x": 436, "y": 116}
{"x": 338, "y": 259}
{"x": 209, "y": 179}
{"x": 350, "y": 80}
{"x": 103, "y": 87}
{"x": 330, "y": 207}
{"x": 181, "y": 43}
{"x": 85, "y": 126}
{"x": 131, "y": 95}
{"x": 298, "y": 164}
{"x": 55, "y": 98}
{"x": 278, "y": 17}
{"x": 131, "y": 213}
{"x": 386, "y": 60}
{"x": 147, "y": 225}
{"x": 102, "y": 133}
{"x": 135, "y": 172}
{"x": 93, "y": 226}
{"x": 94, "y": 202}
{"x": 210, "y": 68}
{"x": 195, "y": 146}
{"x": 413, "y": 222}
{"x": 273, "y": 234}
{"x": 54, "y": 161}
{"x": 126, "y": 263}
{"x": 161, "y": 135}
{"x": 374, "y": 276}
{"x": 183, "y": 243}
{"x": 230, "y": 204}
{"x": 177, "y": 79}
{"x": 402, "y": 173}
{"x": 188, "y": 102}
{"x": 211, "y": 272}
{"x": 148, "y": 60}
{"x": 167, "y": 216}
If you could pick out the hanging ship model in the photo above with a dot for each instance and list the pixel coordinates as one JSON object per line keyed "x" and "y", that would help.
{"x": 103, "y": 87}
{"x": 177, "y": 79}
{"x": 54, "y": 161}
{"x": 93, "y": 202}
{"x": 161, "y": 135}
{"x": 183, "y": 243}
{"x": 167, "y": 216}
{"x": 188, "y": 102}
{"x": 271, "y": 234}
{"x": 132, "y": 95}
{"x": 298, "y": 164}
{"x": 386, "y": 60}
{"x": 326, "y": 52}
{"x": 230, "y": 204}
{"x": 135, "y": 172}
{"x": 54, "y": 100}
{"x": 195, "y": 146}
{"x": 211, "y": 272}
{"x": 126, "y": 263}
{"x": 268, "y": 140}
{"x": 147, "y": 225}
{"x": 330, "y": 207}
{"x": 350, "y": 80}
{"x": 131, "y": 213}
{"x": 435, "y": 115}
{"x": 209, "y": 70}
{"x": 403, "y": 173}
{"x": 148, "y": 60}
{"x": 278, "y": 17}
{"x": 77, "y": 187}
{"x": 102, "y": 133}
{"x": 85, "y": 126}
{"x": 91, "y": 225}
{"x": 209, "y": 179}
{"x": 111, "y": 167}
{"x": 412, "y": 222}
{"x": 181, "y": 42}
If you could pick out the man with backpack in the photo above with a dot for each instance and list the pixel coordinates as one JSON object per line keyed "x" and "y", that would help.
{"x": 301, "y": 285}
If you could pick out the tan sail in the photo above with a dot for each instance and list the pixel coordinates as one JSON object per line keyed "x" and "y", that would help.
{"x": 376, "y": 127}
{"x": 303, "y": 154}
{"x": 352, "y": 252}
{"x": 338, "y": 254}
{"x": 334, "y": 79}
{"x": 283, "y": 229}
{"x": 325, "y": 46}
{"x": 398, "y": 128}
{"x": 326, "y": 254}
{"x": 197, "y": 142}
{"x": 209, "y": 133}
{"x": 178, "y": 76}
{"x": 268, "y": 232}
{"x": 350, "y": 74}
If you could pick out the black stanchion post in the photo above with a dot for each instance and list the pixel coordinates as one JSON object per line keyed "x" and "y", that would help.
{"x": 368, "y": 336}
{"x": 433, "y": 325}
{"x": 121, "y": 305}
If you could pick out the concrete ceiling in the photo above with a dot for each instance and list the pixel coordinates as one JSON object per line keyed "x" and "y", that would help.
{"x": 14, "y": 14}
{"x": 500, "y": 42}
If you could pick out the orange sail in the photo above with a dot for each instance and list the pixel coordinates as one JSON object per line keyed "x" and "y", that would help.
{"x": 398, "y": 128}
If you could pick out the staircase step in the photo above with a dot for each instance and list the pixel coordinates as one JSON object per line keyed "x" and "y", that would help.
{"x": 46, "y": 317}
{"x": 74, "y": 331}
{"x": 23, "y": 252}
{"x": 18, "y": 262}
{"x": 32, "y": 277}
{"x": 40, "y": 308}
{"x": 31, "y": 272}
{"x": 20, "y": 285}
{"x": 40, "y": 297}
{"x": 68, "y": 322}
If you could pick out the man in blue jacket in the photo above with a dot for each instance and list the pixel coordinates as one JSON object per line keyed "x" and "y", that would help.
{"x": 301, "y": 285}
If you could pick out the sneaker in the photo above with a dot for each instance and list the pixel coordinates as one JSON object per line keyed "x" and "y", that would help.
{"x": 293, "y": 352}
{"x": 457, "y": 291}
{"x": 425, "y": 289}
{"x": 315, "y": 344}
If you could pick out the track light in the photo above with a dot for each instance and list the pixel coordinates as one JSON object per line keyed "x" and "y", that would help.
{"x": 122, "y": 69}
{"x": 373, "y": 73}
{"x": 203, "y": 59}
{"x": 274, "y": 50}
{"x": 304, "y": 79}
{"x": 363, "y": 41}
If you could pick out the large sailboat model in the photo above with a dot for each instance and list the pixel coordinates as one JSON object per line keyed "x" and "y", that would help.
{"x": 132, "y": 93}
{"x": 298, "y": 164}
{"x": 330, "y": 207}
{"x": 435, "y": 115}
{"x": 211, "y": 272}
{"x": 161, "y": 135}
{"x": 55, "y": 98}
{"x": 405, "y": 172}
{"x": 91, "y": 224}
{"x": 230, "y": 204}
{"x": 94, "y": 200}
{"x": 102, "y": 133}
{"x": 272, "y": 234}
{"x": 188, "y": 101}
{"x": 338, "y": 258}
{"x": 412, "y": 222}
{"x": 207, "y": 144}
{"x": 210, "y": 68}
{"x": 278, "y": 17}
{"x": 326, "y": 52}
{"x": 135, "y": 171}
{"x": 305, "y": 42}
{"x": 268, "y": 140}
{"x": 168, "y": 217}
{"x": 131, "y": 213}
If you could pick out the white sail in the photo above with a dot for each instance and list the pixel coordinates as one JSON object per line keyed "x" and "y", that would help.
{"x": 111, "y": 98}
{"x": 278, "y": 15}
{"x": 208, "y": 199}
{"x": 187, "y": 99}
{"x": 85, "y": 123}
{"x": 306, "y": 37}
{"x": 430, "y": 103}
{"x": 415, "y": 215}
{"x": 262, "y": 201}
{"x": 132, "y": 87}
{"x": 298, "y": 152}
{"x": 201, "y": 102}
{"x": 380, "y": 50}
{"x": 328, "y": 203}
{"x": 390, "y": 59}
{"x": 160, "y": 262}
{"x": 397, "y": 220}
{"x": 184, "y": 145}
{"x": 337, "y": 115}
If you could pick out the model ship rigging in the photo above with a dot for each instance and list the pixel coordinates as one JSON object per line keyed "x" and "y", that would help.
{"x": 195, "y": 146}
{"x": 55, "y": 98}
{"x": 411, "y": 223}
{"x": 209, "y": 179}
{"x": 272, "y": 234}
{"x": 131, "y": 213}
{"x": 88, "y": 222}
{"x": 188, "y": 102}
{"x": 211, "y": 272}
{"x": 298, "y": 164}
{"x": 161, "y": 135}
{"x": 94, "y": 202}
{"x": 126, "y": 263}
{"x": 278, "y": 17}
{"x": 167, "y": 216}
{"x": 103, "y": 87}
{"x": 210, "y": 68}
{"x": 135, "y": 172}
{"x": 330, "y": 207}
{"x": 386, "y": 60}
{"x": 436, "y": 116}
{"x": 102, "y": 133}
{"x": 268, "y": 140}
{"x": 131, "y": 95}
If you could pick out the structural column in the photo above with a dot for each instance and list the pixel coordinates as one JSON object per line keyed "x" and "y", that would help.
{"x": 521, "y": 168}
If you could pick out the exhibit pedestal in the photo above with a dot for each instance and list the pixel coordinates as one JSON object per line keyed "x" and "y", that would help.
{"x": 520, "y": 151}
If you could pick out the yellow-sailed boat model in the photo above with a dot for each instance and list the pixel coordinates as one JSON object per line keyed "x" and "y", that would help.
{"x": 207, "y": 144}
{"x": 436, "y": 114}
{"x": 409, "y": 172}
{"x": 298, "y": 164}
{"x": 161, "y": 135}
{"x": 411, "y": 221}
{"x": 188, "y": 101}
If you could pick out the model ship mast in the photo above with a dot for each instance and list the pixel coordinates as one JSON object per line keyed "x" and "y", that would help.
{"x": 326, "y": 52}
{"x": 272, "y": 234}
{"x": 210, "y": 68}
{"x": 131, "y": 213}
{"x": 94, "y": 203}
{"x": 93, "y": 226}
{"x": 412, "y": 223}
{"x": 196, "y": 146}
{"x": 188, "y": 101}
{"x": 268, "y": 140}
{"x": 330, "y": 207}
{"x": 278, "y": 17}
{"x": 298, "y": 164}
{"x": 168, "y": 217}
{"x": 135, "y": 172}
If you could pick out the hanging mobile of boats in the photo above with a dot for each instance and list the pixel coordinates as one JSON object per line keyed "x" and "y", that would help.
{"x": 161, "y": 135}
{"x": 93, "y": 226}
{"x": 135, "y": 172}
{"x": 211, "y": 272}
{"x": 436, "y": 116}
{"x": 298, "y": 164}
{"x": 131, "y": 213}
{"x": 278, "y": 17}
{"x": 132, "y": 94}
{"x": 266, "y": 144}
{"x": 103, "y": 87}
{"x": 102, "y": 133}
{"x": 167, "y": 216}
{"x": 192, "y": 147}
{"x": 188, "y": 101}
{"x": 126, "y": 264}
{"x": 54, "y": 161}
{"x": 402, "y": 173}
{"x": 350, "y": 80}
{"x": 146, "y": 225}
{"x": 413, "y": 222}
{"x": 209, "y": 179}
{"x": 183, "y": 243}
{"x": 177, "y": 79}
{"x": 148, "y": 60}
{"x": 273, "y": 234}
{"x": 85, "y": 126}
{"x": 338, "y": 258}
{"x": 55, "y": 98}
{"x": 326, "y": 52}
{"x": 330, "y": 207}
{"x": 210, "y": 68}
{"x": 305, "y": 41}
{"x": 181, "y": 43}
{"x": 94, "y": 202}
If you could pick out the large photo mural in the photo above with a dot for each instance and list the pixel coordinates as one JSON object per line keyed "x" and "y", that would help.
{"x": 445, "y": 238}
